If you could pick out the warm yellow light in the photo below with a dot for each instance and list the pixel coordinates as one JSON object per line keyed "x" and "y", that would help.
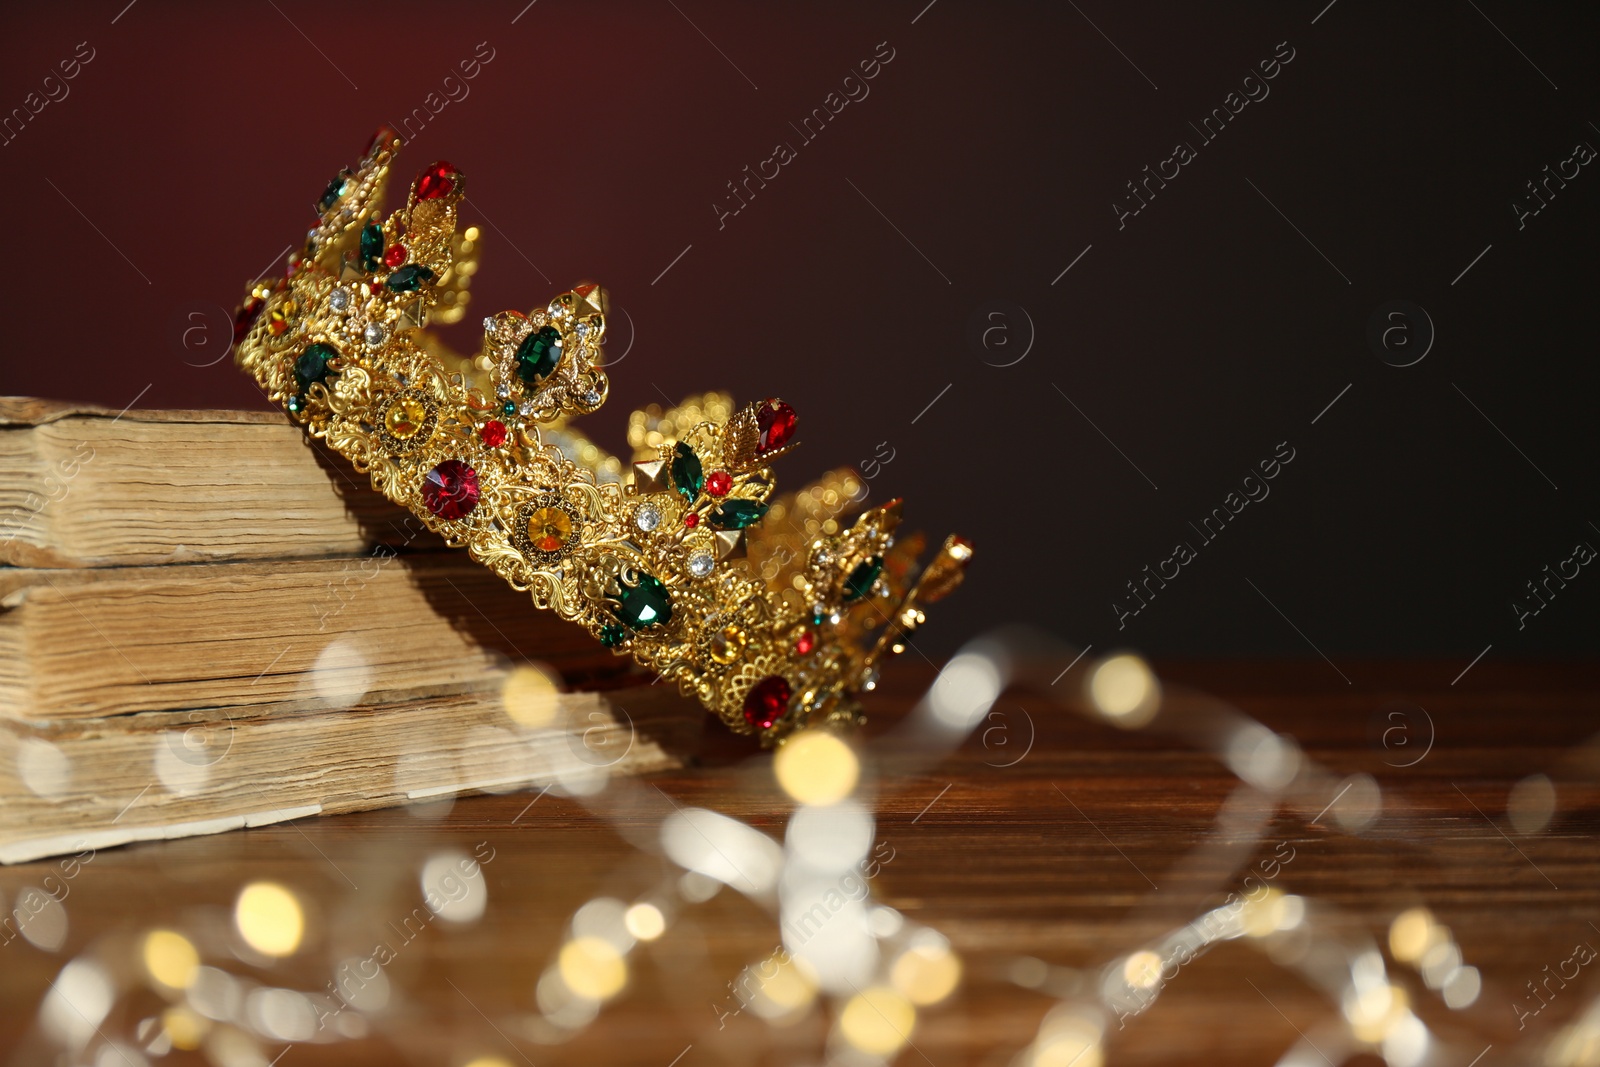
{"x": 1142, "y": 970}
{"x": 186, "y": 1028}
{"x": 1123, "y": 689}
{"x": 170, "y": 958}
{"x": 269, "y": 919}
{"x": 878, "y": 1020}
{"x": 926, "y": 974}
{"x": 488, "y": 1061}
{"x": 786, "y": 992}
{"x": 1410, "y": 934}
{"x": 530, "y": 696}
{"x": 592, "y": 968}
{"x": 816, "y": 767}
{"x": 645, "y": 921}
{"x": 1374, "y": 1011}
{"x": 1264, "y": 915}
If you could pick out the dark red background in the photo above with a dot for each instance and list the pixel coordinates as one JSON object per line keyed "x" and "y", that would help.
{"x": 1196, "y": 338}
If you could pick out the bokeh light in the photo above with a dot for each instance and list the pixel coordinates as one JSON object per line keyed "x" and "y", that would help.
{"x": 645, "y": 921}
{"x": 592, "y": 968}
{"x": 170, "y": 959}
{"x": 816, "y": 767}
{"x": 877, "y": 1020}
{"x": 1123, "y": 689}
{"x": 531, "y": 695}
{"x": 269, "y": 918}
{"x": 927, "y": 972}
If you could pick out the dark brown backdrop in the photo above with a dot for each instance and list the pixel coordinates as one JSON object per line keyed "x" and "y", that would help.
{"x": 922, "y": 238}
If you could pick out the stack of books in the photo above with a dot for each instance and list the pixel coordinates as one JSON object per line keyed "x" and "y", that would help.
{"x": 208, "y": 623}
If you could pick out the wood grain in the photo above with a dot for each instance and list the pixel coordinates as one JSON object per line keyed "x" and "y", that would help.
{"x": 1051, "y": 857}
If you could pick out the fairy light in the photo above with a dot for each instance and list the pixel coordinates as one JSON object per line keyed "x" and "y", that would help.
{"x": 877, "y": 1020}
{"x": 269, "y": 918}
{"x": 170, "y": 959}
{"x": 1123, "y": 689}
{"x": 645, "y": 921}
{"x": 926, "y": 973}
{"x": 816, "y": 767}
{"x": 592, "y": 968}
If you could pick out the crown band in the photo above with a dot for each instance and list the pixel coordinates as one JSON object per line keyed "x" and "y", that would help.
{"x": 766, "y": 609}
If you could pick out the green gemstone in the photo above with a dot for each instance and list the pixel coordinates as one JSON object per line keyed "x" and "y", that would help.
{"x": 818, "y": 618}
{"x": 409, "y": 278}
{"x": 371, "y": 246}
{"x": 687, "y": 473}
{"x": 538, "y": 354}
{"x": 612, "y": 635}
{"x": 508, "y": 408}
{"x": 737, "y": 514}
{"x": 296, "y": 404}
{"x": 312, "y": 364}
{"x": 646, "y": 604}
{"x": 331, "y": 195}
{"x": 862, "y": 579}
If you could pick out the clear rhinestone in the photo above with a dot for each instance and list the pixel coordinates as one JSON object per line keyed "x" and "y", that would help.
{"x": 339, "y": 299}
{"x": 700, "y": 564}
{"x": 503, "y": 390}
{"x": 589, "y": 398}
{"x": 526, "y": 407}
{"x": 373, "y": 334}
{"x": 647, "y": 518}
{"x": 870, "y": 681}
{"x": 582, "y": 329}
{"x": 488, "y": 325}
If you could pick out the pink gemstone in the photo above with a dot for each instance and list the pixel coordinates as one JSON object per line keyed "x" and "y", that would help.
{"x": 451, "y": 489}
{"x": 767, "y": 701}
{"x": 805, "y": 643}
{"x": 776, "y": 421}
{"x": 438, "y": 180}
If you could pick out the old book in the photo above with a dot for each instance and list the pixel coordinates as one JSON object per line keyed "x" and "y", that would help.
{"x": 102, "y": 782}
{"x": 204, "y": 625}
{"x": 90, "y": 487}
{"x": 308, "y": 634}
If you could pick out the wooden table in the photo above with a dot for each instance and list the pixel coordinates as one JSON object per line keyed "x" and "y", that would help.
{"x": 1051, "y": 855}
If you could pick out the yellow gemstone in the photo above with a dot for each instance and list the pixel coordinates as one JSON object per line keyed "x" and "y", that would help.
{"x": 726, "y": 646}
{"x": 549, "y": 529}
{"x": 405, "y": 417}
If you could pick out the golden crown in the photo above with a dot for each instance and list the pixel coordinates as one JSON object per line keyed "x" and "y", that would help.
{"x": 769, "y": 610}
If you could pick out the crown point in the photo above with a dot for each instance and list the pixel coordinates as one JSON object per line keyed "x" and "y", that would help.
{"x": 776, "y": 421}
{"x": 437, "y": 181}
{"x": 385, "y": 137}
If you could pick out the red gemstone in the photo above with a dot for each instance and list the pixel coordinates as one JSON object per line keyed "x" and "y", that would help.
{"x": 394, "y": 255}
{"x": 385, "y": 137}
{"x": 691, "y": 520}
{"x": 246, "y": 317}
{"x": 806, "y": 642}
{"x": 451, "y": 489}
{"x": 438, "y": 180}
{"x": 719, "y": 483}
{"x": 493, "y": 433}
{"x": 767, "y": 701}
{"x": 776, "y": 421}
